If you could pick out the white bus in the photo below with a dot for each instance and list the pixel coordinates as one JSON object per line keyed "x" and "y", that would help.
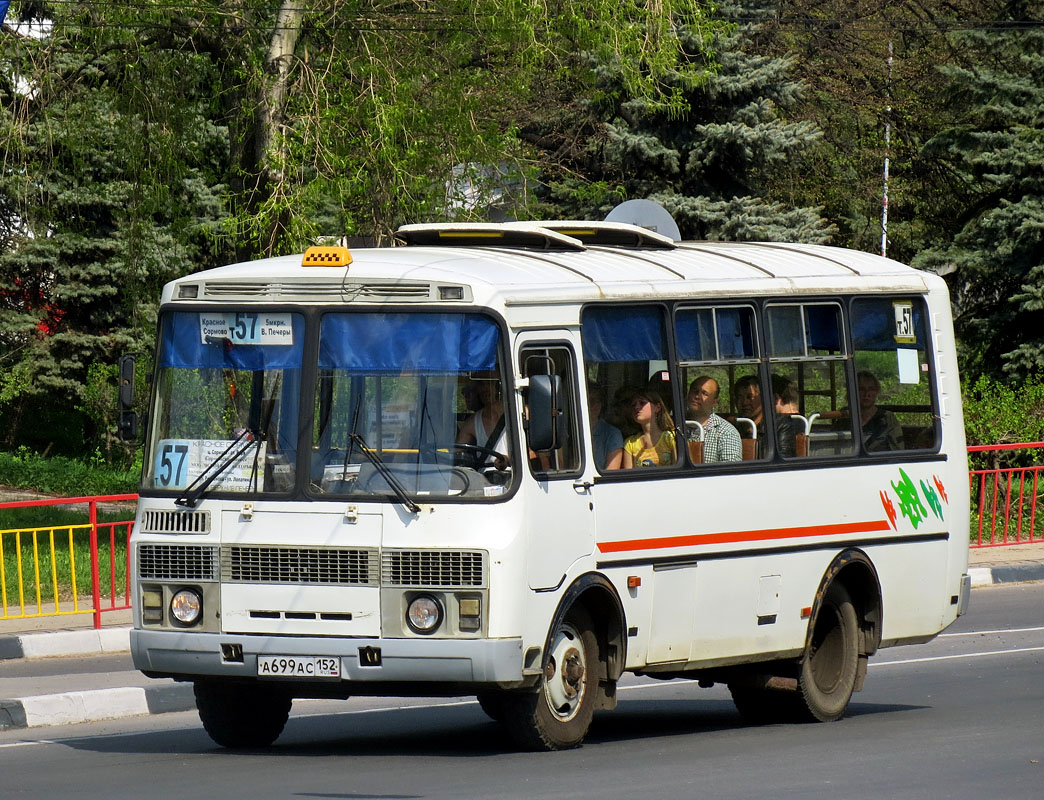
{"x": 483, "y": 463}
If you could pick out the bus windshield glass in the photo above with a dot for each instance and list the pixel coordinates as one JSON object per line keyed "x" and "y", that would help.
{"x": 410, "y": 398}
{"x": 227, "y": 402}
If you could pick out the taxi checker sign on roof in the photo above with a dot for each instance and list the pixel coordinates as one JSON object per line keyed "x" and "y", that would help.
{"x": 246, "y": 327}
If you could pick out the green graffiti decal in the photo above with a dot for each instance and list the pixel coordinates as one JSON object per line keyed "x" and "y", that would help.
{"x": 932, "y": 498}
{"x": 910, "y": 505}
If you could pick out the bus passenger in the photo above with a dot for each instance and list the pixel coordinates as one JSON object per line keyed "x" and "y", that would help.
{"x": 721, "y": 440}
{"x": 653, "y": 446}
{"x": 746, "y": 397}
{"x": 747, "y": 394}
{"x": 881, "y": 430}
{"x": 607, "y": 439}
{"x": 785, "y": 401}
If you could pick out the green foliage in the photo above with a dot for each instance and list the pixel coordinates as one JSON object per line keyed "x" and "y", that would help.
{"x": 996, "y": 412}
{"x": 710, "y": 158}
{"x": 994, "y": 151}
{"x": 66, "y": 477}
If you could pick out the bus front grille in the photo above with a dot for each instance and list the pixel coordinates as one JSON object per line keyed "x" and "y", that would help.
{"x": 157, "y": 521}
{"x": 449, "y": 568}
{"x": 299, "y": 565}
{"x": 168, "y": 562}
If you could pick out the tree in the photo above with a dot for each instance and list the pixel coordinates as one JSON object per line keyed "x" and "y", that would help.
{"x": 144, "y": 141}
{"x": 107, "y": 195}
{"x": 994, "y": 153}
{"x": 709, "y": 160}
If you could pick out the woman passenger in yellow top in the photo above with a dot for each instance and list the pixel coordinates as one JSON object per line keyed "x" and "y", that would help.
{"x": 654, "y": 445}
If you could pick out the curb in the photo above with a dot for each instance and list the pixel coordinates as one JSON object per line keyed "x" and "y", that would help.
{"x": 65, "y": 643}
{"x": 70, "y": 708}
{"x": 1012, "y": 573}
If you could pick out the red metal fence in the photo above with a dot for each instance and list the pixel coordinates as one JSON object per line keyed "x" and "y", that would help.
{"x": 1004, "y": 497}
{"x": 39, "y": 575}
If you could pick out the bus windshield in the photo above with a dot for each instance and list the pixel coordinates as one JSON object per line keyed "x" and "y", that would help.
{"x": 226, "y": 416}
{"x": 410, "y": 398}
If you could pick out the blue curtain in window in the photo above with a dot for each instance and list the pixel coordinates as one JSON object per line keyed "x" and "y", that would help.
{"x": 873, "y": 325}
{"x": 824, "y": 332}
{"x": 696, "y": 336}
{"x": 623, "y": 333}
{"x": 390, "y": 344}
{"x": 182, "y": 345}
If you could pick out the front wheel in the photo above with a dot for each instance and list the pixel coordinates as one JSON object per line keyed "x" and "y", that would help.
{"x": 241, "y": 715}
{"x": 827, "y": 674}
{"x": 558, "y": 714}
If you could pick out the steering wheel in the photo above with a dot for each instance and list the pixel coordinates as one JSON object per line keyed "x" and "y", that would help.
{"x": 476, "y": 456}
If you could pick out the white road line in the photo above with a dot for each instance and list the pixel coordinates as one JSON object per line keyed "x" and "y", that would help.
{"x": 957, "y": 656}
{"x": 999, "y": 630}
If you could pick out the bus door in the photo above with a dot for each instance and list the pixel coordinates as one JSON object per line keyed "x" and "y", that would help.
{"x": 559, "y": 515}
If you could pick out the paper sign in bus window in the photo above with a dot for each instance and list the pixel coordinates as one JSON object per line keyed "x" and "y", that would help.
{"x": 180, "y": 461}
{"x": 246, "y": 328}
{"x": 904, "y": 323}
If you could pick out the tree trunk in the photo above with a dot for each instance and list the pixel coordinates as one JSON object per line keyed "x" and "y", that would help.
{"x": 269, "y": 149}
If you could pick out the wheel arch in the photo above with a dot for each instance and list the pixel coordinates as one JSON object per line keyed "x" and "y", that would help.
{"x": 597, "y": 595}
{"x": 856, "y": 572}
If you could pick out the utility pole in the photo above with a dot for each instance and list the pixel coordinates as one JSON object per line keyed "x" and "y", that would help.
{"x": 888, "y": 141}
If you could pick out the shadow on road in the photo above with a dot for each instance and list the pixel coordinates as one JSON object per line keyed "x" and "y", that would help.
{"x": 463, "y": 731}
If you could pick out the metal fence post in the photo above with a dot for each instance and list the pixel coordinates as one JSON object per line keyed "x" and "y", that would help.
{"x": 95, "y": 581}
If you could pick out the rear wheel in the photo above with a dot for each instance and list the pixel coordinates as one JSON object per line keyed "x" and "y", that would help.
{"x": 827, "y": 674}
{"x": 557, "y": 715}
{"x": 241, "y": 715}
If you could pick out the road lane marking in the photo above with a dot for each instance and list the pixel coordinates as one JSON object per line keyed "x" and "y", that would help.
{"x": 999, "y": 630}
{"x": 957, "y": 656}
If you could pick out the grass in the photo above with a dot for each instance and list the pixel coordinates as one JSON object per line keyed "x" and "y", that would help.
{"x": 70, "y": 477}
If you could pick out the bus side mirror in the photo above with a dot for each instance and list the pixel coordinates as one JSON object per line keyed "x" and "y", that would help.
{"x": 126, "y": 391}
{"x": 127, "y": 427}
{"x": 547, "y": 418}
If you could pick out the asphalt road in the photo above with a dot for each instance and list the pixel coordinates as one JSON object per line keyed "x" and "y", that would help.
{"x": 961, "y": 717}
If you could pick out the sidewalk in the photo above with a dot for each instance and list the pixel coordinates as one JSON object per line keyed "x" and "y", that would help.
{"x": 50, "y": 695}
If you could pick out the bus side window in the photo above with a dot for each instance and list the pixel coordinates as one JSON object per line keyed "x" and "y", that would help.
{"x": 718, "y": 359}
{"x": 626, "y": 356}
{"x": 555, "y": 360}
{"x": 809, "y": 389}
{"x": 893, "y": 374}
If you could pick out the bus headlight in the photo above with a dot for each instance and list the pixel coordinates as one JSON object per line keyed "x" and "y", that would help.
{"x": 423, "y": 614}
{"x": 186, "y": 606}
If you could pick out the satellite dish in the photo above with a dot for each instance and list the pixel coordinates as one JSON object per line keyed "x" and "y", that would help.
{"x": 646, "y": 214}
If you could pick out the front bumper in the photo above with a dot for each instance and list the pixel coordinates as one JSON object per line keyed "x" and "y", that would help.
{"x": 186, "y": 655}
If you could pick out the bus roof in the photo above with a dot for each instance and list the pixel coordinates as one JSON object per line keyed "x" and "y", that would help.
{"x": 528, "y": 264}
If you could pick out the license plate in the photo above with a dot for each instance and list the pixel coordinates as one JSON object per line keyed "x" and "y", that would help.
{"x": 299, "y": 666}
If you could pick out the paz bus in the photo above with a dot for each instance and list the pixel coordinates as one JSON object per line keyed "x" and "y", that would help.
{"x": 395, "y": 472}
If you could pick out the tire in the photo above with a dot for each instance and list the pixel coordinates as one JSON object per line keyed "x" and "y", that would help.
{"x": 557, "y": 715}
{"x": 239, "y": 715}
{"x": 494, "y": 704}
{"x": 827, "y": 673}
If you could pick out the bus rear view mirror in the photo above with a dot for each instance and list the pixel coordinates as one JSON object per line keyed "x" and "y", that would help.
{"x": 127, "y": 427}
{"x": 126, "y": 392}
{"x": 546, "y": 416}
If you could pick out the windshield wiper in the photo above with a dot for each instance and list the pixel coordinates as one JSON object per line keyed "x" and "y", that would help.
{"x": 394, "y": 483}
{"x": 219, "y": 466}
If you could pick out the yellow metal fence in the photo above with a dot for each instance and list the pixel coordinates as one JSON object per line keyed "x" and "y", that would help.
{"x": 65, "y": 570}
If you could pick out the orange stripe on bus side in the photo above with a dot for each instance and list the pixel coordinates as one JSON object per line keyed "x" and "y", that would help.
{"x": 768, "y": 534}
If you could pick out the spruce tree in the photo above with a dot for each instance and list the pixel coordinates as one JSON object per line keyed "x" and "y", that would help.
{"x": 994, "y": 263}
{"x": 711, "y": 165}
